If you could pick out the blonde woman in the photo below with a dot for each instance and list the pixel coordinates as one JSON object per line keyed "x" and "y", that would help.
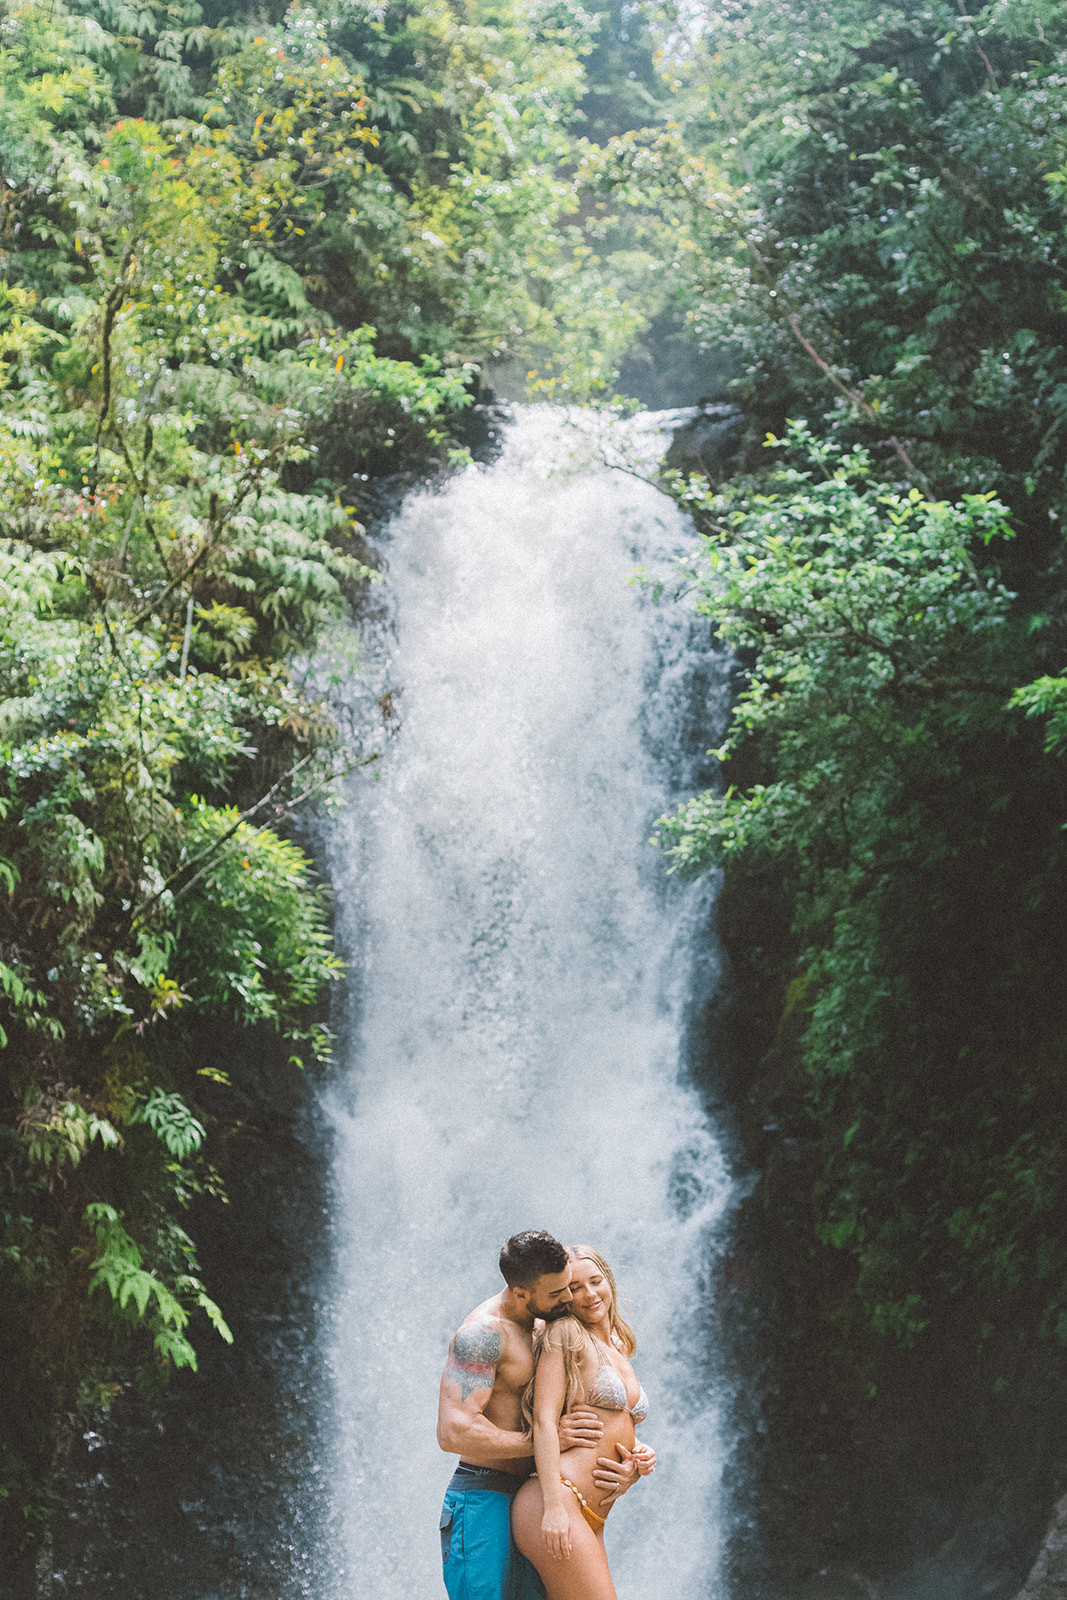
{"x": 583, "y": 1358}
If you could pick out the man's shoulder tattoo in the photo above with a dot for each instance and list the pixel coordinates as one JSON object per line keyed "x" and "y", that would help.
{"x": 473, "y": 1358}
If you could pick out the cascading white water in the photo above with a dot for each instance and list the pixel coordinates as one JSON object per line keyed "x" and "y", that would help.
{"x": 525, "y": 973}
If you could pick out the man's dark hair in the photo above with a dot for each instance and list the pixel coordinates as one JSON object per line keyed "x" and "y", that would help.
{"x": 529, "y": 1256}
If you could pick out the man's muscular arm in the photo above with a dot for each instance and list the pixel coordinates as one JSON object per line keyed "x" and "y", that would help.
{"x": 462, "y": 1429}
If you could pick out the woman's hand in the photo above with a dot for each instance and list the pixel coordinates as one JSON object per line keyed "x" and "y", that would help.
{"x": 556, "y": 1530}
{"x": 645, "y": 1458}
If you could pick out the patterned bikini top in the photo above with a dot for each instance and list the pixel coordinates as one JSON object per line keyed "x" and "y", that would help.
{"x": 608, "y": 1391}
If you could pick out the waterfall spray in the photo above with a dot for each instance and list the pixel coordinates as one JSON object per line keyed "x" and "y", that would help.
{"x": 524, "y": 972}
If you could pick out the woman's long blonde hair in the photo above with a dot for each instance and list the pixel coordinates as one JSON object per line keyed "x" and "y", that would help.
{"x": 568, "y": 1334}
{"x": 621, "y": 1332}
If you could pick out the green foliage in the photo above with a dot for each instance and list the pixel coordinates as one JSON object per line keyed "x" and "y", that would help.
{"x": 58, "y": 1131}
{"x": 872, "y": 628}
{"x": 243, "y": 267}
{"x": 892, "y": 786}
{"x": 1047, "y": 697}
{"x": 881, "y": 251}
{"x": 405, "y": 164}
{"x": 119, "y": 1269}
{"x": 171, "y": 1121}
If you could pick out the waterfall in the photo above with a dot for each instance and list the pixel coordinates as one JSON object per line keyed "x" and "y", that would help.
{"x": 524, "y": 977}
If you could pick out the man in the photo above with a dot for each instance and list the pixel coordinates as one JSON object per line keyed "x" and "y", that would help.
{"x": 479, "y": 1418}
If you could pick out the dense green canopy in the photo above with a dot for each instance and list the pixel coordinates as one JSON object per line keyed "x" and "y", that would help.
{"x": 243, "y": 266}
{"x": 880, "y": 241}
{"x": 875, "y": 233}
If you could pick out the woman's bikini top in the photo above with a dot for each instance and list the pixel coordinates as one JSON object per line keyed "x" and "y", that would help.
{"x": 608, "y": 1391}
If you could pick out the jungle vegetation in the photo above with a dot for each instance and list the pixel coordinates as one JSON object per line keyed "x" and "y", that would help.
{"x": 246, "y": 263}
{"x": 882, "y": 247}
{"x": 868, "y": 208}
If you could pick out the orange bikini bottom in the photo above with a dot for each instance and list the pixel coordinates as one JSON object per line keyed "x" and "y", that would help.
{"x": 595, "y": 1522}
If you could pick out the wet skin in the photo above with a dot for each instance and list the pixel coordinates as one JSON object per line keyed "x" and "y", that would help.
{"x": 490, "y": 1362}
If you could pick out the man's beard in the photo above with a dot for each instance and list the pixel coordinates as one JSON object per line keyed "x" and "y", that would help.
{"x": 555, "y": 1314}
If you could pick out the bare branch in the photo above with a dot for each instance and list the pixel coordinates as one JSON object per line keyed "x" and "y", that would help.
{"x": 217, "y": 846}
{"x": 215, "y": 843}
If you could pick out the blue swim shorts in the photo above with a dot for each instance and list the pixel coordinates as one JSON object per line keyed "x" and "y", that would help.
{"x": 478, "y": 1554}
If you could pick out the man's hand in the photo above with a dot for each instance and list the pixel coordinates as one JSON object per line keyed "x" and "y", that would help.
{"x": 613, "y": 1478}
{"x": 580, "y": 1426}
{"x": 645, "y": 1458}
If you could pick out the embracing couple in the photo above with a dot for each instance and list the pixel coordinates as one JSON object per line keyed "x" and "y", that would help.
{"x": 544, "y": 1365}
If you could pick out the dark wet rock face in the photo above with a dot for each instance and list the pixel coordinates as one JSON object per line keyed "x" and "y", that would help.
{"x": 710, "y": 443}
{"x": 863, "y": 1468}
{"x": 213, "y": 1487}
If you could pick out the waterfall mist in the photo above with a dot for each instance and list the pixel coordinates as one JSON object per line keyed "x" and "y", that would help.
{"x": 524, "y": 978}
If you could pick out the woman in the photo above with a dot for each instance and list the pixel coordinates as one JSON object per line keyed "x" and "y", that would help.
{"x": 558, "y": 1515}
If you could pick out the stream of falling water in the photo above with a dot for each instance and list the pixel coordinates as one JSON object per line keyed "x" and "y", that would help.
{"x": 525, "y": 976}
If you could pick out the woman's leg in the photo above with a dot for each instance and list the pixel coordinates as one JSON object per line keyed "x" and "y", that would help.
{"x": 584, "y": 1574}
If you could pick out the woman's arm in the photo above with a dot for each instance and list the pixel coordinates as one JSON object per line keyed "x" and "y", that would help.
{"x": 550, "y": 1394}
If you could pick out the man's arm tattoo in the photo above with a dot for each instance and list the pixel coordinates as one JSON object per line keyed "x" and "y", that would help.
{"x": 473, "y": 1357}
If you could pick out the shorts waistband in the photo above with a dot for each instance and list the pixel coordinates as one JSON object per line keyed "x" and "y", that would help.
{"x": 485, "y": 1478}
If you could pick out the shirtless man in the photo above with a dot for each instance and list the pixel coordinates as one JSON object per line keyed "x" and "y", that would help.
{"x": 479, "y": 1418}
